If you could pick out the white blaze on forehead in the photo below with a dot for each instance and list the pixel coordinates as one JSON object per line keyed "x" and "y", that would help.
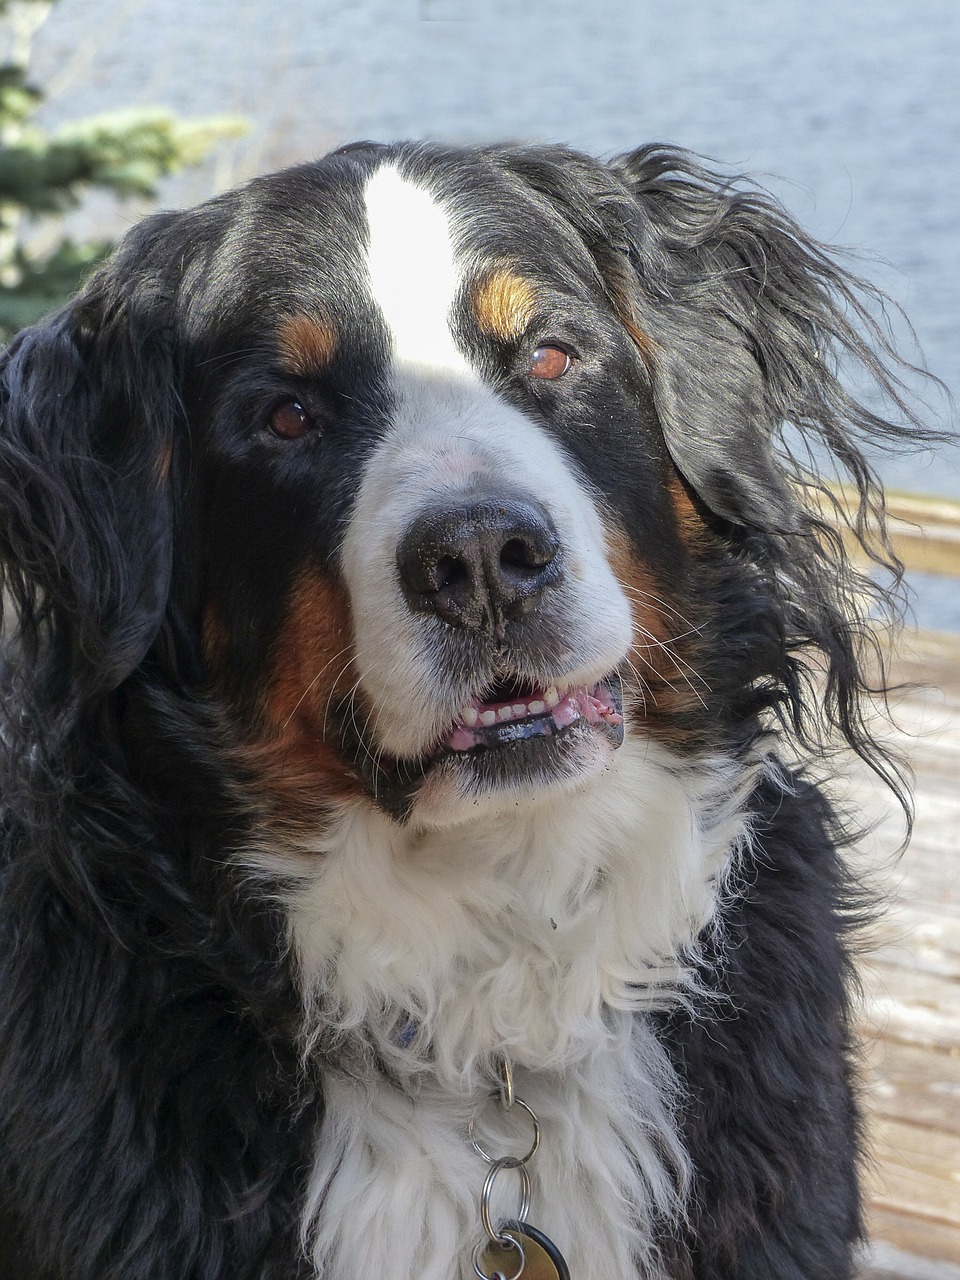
{"x": 411, "y": 269}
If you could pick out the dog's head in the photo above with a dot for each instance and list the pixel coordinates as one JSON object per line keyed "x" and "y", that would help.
{"x": 439, "y": 471}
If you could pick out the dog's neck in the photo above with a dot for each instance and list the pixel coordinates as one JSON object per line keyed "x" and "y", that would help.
{"x": 443, "y": 949}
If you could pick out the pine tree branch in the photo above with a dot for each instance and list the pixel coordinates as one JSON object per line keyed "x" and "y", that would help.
{"x": 44, "y": 283}
{"x": 126, "y": 154}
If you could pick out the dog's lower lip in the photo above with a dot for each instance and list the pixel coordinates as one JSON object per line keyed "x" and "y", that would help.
{"x": 542, "y": 713}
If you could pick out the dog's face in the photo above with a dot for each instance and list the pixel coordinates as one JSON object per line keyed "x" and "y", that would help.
{"x": 443, "y": 537}
{"x": 442, "y": 471}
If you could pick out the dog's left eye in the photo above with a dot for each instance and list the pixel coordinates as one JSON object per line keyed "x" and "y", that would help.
{"x": 289, "y": 420}
{"x": 550, "y": 362}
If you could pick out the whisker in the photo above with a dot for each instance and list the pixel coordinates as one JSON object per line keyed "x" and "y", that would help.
{"x": 675, "y": 658}
{"x": 314, "y": 681}
{"x": 679, "y": 664}
{"x": 361, "y": 738}
{"x": 643, "y": 688}
{"x": 333, "y": 689}
{"x": 664, "y": 606}
{"x": 665, "y": 646}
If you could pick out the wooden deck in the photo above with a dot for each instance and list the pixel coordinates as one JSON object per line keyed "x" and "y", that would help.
{"x": 911, "y": 1008}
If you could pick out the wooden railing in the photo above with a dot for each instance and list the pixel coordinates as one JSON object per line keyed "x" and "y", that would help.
{"x": 925, "y": 531}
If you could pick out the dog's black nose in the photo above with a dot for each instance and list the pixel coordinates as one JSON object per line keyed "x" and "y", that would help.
{"x": 479, "y": 564}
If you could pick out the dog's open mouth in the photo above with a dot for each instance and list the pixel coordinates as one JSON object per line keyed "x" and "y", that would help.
{"x": 513, "y": 712}
{"x": 513, "y": 735}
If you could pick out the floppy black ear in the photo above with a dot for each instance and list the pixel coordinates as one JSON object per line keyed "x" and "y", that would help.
{"x": 750, "y": 322}
{"x": 89, "y": 405}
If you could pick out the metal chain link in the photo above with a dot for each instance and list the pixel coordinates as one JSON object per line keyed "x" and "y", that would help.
{"x": 499, "y": 1235}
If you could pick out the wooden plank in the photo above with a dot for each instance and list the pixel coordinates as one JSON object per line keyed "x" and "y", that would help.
{"x": 919, "y": 1009}
{"x": 929, "y": 656}
{"x": 928, "y": 875}
{"x": 913, "y": 1084}
{"x": 918, "y": 1236}
{"x": 911, "y": 1010}
{"x": 884, "y": 1262}
{"x": 917, "y": 1173}
{"x": 920, "y": 937}
{"x": 924, "y": 542}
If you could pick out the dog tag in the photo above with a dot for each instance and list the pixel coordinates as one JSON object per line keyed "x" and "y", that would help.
{"x": 542, "y": 1259}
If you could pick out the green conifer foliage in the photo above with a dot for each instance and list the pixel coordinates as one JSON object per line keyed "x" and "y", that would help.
{"x": 44, "y": 175}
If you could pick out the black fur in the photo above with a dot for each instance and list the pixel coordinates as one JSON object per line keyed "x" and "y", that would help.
{"x": 772, "y": 1120}
{"x": 155, "y": 1122}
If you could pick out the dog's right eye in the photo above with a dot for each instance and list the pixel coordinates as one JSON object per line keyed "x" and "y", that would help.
{"x": 289, "y": 420}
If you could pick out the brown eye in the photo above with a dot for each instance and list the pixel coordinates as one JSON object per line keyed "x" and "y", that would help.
{"x": 290, "y": 420}
{"x": 549, "y": 363}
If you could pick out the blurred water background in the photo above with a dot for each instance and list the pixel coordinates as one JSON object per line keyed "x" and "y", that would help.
{"x": 849, "y": 111}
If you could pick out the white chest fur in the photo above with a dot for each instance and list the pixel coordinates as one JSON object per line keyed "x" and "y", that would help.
{"x": 541, "y": 934}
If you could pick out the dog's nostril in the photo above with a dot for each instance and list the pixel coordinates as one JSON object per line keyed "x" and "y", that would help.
{"x": 519, "y": 554}
{"x": 478, "y": 565}
{"x": 449, "y": 571}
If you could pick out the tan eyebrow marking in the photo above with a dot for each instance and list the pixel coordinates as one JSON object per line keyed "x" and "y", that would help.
{"x": 504, "y": 304}
{"x": 307, "y": 344}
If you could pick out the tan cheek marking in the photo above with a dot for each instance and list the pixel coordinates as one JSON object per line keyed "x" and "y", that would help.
{"x": 306, "y": 344}
{"x": 504, "y": 304}
{"x": 293, "y": 760}
{"x": 664, "y": 648}
{"x": 621, "y": 284}
{"x": 214, "y": 638}
{"x": 690, "y": 525}
{"x": 163, "y": 465}
{"x": 641, "y": 340}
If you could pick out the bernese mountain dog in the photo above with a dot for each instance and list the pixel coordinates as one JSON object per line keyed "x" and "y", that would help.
{"x": 425, "y": 604}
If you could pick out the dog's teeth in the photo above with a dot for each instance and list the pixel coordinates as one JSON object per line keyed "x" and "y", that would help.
{"x": 472, "y": 717}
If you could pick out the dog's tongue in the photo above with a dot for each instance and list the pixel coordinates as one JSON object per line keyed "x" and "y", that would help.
{"x": 542, "y": 712}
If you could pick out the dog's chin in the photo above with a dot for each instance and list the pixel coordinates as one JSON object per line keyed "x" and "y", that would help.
{"x": 479, "y": 786}
{"x": 507, "y": 747}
